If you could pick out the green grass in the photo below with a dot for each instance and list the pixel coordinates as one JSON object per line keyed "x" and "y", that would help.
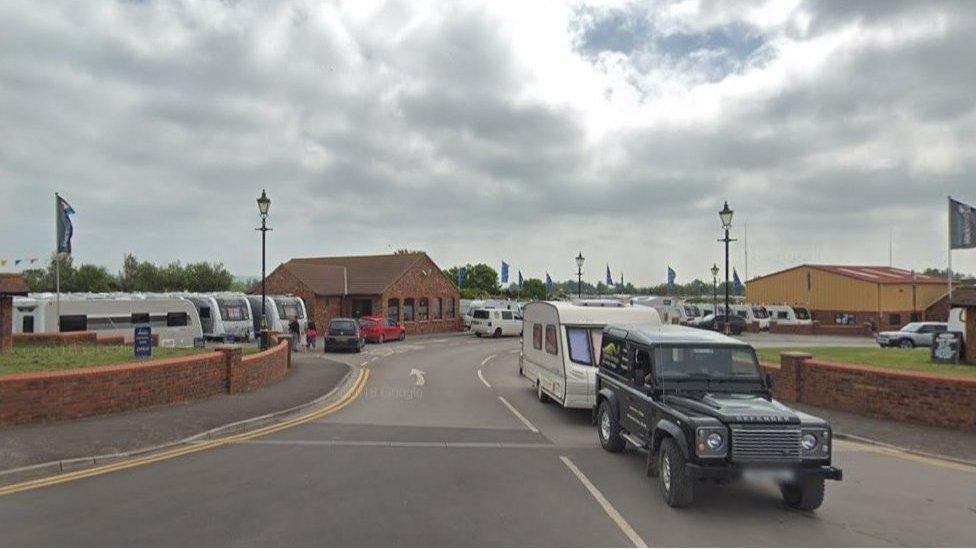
{"x": 914, "y": 360}
{"x": 37, "y": 358}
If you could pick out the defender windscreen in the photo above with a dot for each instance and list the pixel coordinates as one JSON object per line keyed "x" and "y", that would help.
{"x": 704, "y": 362}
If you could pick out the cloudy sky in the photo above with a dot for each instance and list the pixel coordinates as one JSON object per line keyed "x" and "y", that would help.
{"x": 488, "y": 131}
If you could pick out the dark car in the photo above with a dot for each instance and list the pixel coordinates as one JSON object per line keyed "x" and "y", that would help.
{"x": 698, "y": 404}
{"x": 716, "y": 323}
{"x": 343, "y": 334}
{"x": 379, "y": 330}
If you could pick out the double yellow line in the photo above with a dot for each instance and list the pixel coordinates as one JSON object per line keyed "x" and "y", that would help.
{"x": 346, "y": 400}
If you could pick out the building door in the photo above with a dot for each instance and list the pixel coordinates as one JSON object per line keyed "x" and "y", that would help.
{"x": 28, "y": 325}
{"x": 362, "y": 307}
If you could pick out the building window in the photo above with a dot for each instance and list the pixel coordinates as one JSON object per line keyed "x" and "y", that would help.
{"x": 408, "y": 309}
{"x": 422, "y": 308}
{"x": 537, "y": 336}
{"x": 894, "y": 319}
{"x": 552, "y": 345}
{"x": 393, "y": 310}
{"x": 845, "y": 319}
{"x": 449, "y": 308}
{"x": 435, "y": 308}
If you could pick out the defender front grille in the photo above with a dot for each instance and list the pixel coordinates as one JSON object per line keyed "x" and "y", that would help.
{"x": 765, "y": 443}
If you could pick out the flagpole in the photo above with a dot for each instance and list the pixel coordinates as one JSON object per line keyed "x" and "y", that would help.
{"x": 57, "y": 265}
{"x": 949, "y": 224}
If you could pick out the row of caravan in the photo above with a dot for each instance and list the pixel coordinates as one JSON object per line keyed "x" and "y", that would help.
{"x": 177, "y": 318}
{"x": 676, "y": 311}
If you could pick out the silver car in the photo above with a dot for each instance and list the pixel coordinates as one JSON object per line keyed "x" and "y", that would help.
{"x": 914, "y": 334}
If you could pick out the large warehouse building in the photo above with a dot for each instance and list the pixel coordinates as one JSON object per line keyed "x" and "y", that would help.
{"x": 851, "y": 294}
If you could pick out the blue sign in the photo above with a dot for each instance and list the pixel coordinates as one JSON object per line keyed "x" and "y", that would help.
{"x": 199, "y": 342}
{"x": 142, "y": 342}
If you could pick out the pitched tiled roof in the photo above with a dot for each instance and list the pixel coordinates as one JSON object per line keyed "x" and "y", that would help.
{"x": 880, "y": 275}
{"x": 365, "y": 274}
{"x": 12, "y": 284}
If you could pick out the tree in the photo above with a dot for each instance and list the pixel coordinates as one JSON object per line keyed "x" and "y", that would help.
{"x": 93, "y": 278}
{"x": 534, "y": 289}
{"x": 36, "y": 280}
{"x": 480, "y": 279}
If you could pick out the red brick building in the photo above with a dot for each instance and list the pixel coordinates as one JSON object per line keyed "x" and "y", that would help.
{"x": 408, "y": 288}
{"x": 10, "y": 285}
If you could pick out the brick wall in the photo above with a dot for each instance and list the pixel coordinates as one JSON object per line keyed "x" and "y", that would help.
{"x": 425, "y": 280}
{"x": 6, "y": 322}
{"x": 828, "y": 318}
{"x": 816, "y": 328}
{"x": 946, "y": 401}
{"x": 72, "y": 394}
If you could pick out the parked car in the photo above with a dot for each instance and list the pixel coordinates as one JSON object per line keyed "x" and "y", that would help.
{"x": 913, "y": 334}
{"x": 716, "y": 323}
{"x": 343, "y": 334}
{"x": 700, "y": 406}
{"x": 378, "y": 330}
{"x": 496, "y": 323}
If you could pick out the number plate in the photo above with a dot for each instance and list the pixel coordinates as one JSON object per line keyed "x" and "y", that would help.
{"x": 773, "y": 475}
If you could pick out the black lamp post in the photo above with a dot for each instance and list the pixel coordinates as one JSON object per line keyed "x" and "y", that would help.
{"x": 726, "y": 216}
{"x": 264, "y": 204}
{"x": 579, "y": 274}
{"x": 715, "y": 288}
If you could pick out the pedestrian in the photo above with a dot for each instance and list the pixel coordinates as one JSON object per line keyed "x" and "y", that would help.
{"x": 296, "y": 334}
{"x": 312, "y": 334}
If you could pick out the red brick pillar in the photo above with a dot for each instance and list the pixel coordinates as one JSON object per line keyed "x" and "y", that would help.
{"x": 6, "y": 322}
{"x": 790, "y": 380}
{"x": 233, "y": 360}
{"x": 970, "y": 331}
{"x": 287, "y": 339}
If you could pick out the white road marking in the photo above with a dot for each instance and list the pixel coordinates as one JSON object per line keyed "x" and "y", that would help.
{"x": 483, "y": 380}
{"x": 419, "y": 381}
{"x": 365, "y": 362}
{"x": 487, "y": 358}
{"x": 407, "y": 444}
{"x": 518, "y": 415}
{"x": 615, "y": 516}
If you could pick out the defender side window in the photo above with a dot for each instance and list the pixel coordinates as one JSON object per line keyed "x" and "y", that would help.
{"x": 642, "y": 368}
{"x": 614, "y": 355}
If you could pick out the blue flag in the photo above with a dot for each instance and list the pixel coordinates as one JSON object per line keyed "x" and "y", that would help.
{"x": 65, "y": 230}
{"x": 737, "y": 286}
{"x": 609, "y": 276}
{"x": 520, "y": 279}
{"x": 504, "y": 273}
{"x": 462, "y": 274}
{"x": 671, "y": 276}
{"x": 548, "y": 283}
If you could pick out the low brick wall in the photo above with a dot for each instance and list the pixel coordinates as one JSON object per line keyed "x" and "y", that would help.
{"x": 72, "y": 394}
{"x": 946, "y": 401}
{"x": 816, "y": 328}
{"x": 432, "y": 326}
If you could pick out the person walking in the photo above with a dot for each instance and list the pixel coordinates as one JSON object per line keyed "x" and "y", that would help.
{"x": 311, "y": 334}
{"x": 296, "y": 334}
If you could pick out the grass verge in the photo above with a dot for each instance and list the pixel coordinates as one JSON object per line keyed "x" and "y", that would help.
{"x": 913, "y": 360}
{"x": 45, "y": 358}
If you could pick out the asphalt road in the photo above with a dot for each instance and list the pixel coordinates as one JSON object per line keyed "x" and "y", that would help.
{"x": 470, "y": 458}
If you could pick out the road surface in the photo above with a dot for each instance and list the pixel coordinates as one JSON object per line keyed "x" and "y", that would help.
{"x": 468, "y": 458}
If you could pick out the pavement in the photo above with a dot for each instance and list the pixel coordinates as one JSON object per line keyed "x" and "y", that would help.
{"x": 442, "y": 443}
{"x": 311, "y": 376}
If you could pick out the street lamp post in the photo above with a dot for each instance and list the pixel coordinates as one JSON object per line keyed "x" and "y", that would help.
{"x": 726, "y": 216}
{"x": 264, "y": 204}
{"x": 715, "y": 288}
{"x": 579, "y": 275}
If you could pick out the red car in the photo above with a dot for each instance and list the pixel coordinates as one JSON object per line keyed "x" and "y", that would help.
{"x": 378, "y": 330}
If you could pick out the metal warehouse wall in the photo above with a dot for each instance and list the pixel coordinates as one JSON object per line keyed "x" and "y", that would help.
{"x": 827, "y": 291}
{"x": 898, "y": 297}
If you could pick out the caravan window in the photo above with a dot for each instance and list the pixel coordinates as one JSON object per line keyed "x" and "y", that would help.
{"x": 287, "y": 310}
{"x": 140, "y": 318}
{"x": 177, "y": 319}
{"x": 580, "y": 351}
{"x": 74, "y": 323}
{"x": 552, "y": 343}
{"x": 233, "y": 310}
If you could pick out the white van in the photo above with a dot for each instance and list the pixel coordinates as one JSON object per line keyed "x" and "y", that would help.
{"x": 560, "y": 352}
{"x": 753, "y": 314}
{"x": 173, "y": 319}
{"x": 789, "y": 316}
{"x": 475, "y": 304}
{"x": 496, "y": 322}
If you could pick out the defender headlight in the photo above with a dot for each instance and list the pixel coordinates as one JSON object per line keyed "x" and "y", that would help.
{"x": 711, "y": 442}
{"x": 714, "y": 441}
{"x": 809, "y": 442}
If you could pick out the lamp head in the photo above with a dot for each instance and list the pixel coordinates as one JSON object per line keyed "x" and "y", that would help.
{"x": 579, "y": 260}
{"x": 726, "y": 216}
{"x": 264, "y": 204}
{"x": 714, "y": 270}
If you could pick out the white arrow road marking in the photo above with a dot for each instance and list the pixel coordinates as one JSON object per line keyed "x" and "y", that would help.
{"x": 420, "y": 376}
{"x": 483, "y": 380}
{"x": 518, "y": 415}
{"x": 616, "y": 517}
{"x": 487, "y": 358}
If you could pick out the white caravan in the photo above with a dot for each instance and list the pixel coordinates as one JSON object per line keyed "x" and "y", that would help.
{"x": 496, "y": 322}
{"x": 671, "y": 309}
{"x": 753, "y": 313}
{"x": 594, "y": 302}
{"x": 224, "y": 316}
{"x": 279, "y": 310}
{"x": 789, "y": 316}
{"x": 562, "y": 344}
{"x": 173, "y": 319}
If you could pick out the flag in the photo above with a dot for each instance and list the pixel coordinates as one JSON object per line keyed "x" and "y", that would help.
{"x": 609, "y": 276}
{"x": 962, "y": 225}
{"x": 3, "y": 262}
{"x": 671, "y": 276}
{"x": 462, "y": 274}
{"x": 548, "y": 283}
{"x": 737, "y": 286}
{"x": 17, "y": 262}
{"x": 65, "y": 229}
{"x": 33, "y": 260}
{"x": 504, "y": 273}
{"x": 520, "y": 279}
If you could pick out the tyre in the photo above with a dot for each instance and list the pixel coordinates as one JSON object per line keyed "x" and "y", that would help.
{"x": 498, "y": 333}
{"x": 608, "y": 427}
{"x": 477, "y": 334}
{"x": 381, "y": 340}
{"x": 543, "y": 397}
{"x": 676, "y": 487}
{"x": 403, "y": 335}
{"x": 805, "y": 495}
{"x": 906, "y": 344}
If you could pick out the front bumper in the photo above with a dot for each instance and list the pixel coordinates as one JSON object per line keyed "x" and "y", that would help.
{"x": 734, "y": 472}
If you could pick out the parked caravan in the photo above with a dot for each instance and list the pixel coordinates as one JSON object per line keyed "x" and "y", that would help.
{"x": 224, "y": 316}
{"x": 255, "y": 302}
{"x": 174, "y": 319}
{"x": 753, "y": 314}
{"x": 957, "y": 321}
{"x": 592, "y": 302}
{"x": 790, "y": 316}
{"x": 671, "y": 309}
{"x": 280, "y": 309}
{"x": 561, "y": 347}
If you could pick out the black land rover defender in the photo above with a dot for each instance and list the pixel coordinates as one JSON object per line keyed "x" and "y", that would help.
{"x": 698, "y": 403}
